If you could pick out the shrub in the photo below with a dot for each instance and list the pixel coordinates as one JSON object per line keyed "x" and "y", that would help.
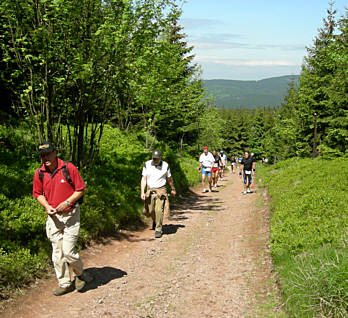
{"x": 309, "y": 229}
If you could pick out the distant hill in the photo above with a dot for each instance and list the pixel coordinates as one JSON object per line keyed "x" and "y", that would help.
{"x": 249, "y": 94}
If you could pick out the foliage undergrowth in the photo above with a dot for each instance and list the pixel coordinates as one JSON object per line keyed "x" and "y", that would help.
{"x": 309, "y": 230}
{"x": 112, "y": 199}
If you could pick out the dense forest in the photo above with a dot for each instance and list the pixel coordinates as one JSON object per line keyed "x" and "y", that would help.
{"x": 250, "y": 94}
{"x": 107, "y": 82}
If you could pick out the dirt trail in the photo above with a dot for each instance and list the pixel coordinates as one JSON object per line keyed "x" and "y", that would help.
{"x": 212, "y": 261}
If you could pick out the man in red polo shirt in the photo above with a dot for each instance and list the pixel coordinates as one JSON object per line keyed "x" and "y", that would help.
{"x": 59, "y": 197}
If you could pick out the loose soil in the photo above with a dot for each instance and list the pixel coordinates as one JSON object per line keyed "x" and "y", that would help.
{"x": 212, "y": 261}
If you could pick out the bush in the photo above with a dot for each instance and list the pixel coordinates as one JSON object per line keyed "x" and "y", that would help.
{"x": 19, "y": 268}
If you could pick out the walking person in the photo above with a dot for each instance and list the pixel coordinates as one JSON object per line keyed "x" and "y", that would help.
{"x": 215, "y": 169}
{"x": 58, "y": 187}
{"x": 233, "y": 164}
{"x": 206, "y": 161}
{"x": 155, "y": 175}
{"x": 224, "y": 164}
{"x": 247, "y": 170}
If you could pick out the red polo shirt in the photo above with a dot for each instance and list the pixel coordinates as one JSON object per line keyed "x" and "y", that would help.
{"x": 57, "y": 189}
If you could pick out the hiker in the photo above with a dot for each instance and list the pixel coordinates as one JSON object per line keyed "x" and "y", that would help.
{"x": 206, "y": 161}
{"x": 216, "y": 167}
{"x": 155, "y": 175}
{"x": 233, "y": 164}
{"x": 58, "y": 187}
{"x": 224, "y": 164}
{"x": 247, "y": 170}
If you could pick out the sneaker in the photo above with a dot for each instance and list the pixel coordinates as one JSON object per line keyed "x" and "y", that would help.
{"x": 158, "y": 234}
{"x": 209, "y": 190}
{"x": 59, "y": 291}
{"x": 204, "y": 190}
{"x": 248, "y": 190}
{"x": 215, "y": 185}
{"x": 244, "y": 192}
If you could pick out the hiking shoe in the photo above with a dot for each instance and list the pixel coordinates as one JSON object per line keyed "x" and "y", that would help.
{"x": 158, "y": 234}
{"x": 248, "y": 190}
{"x": 244, "y": 192}
{"x": 153, "y": 225}
{"x": 204, "y": 190}
{"x": 82, "y": 280}
{"x": 59, "y": 291}
{"x": 215, "y": 185}
{"x": 209, "y": 190}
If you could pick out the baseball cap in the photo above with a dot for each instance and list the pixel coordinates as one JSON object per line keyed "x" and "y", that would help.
{"x": 156, "y": 154}
{"x": 205, "y": 147}
{"x": 221, "y": 151}
{"x": 45, "y": 146}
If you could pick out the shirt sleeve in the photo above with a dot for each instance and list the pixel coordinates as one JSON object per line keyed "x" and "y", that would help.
{"x": 200, "y": 159}
{"x": 37, "y": 185}
{"x": 168, "y": 173}
{"x": 76, "y": 177}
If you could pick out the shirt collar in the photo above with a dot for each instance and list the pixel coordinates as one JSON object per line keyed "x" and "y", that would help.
{"x": 60, "y": 164}
{"x": 159, "y": 164}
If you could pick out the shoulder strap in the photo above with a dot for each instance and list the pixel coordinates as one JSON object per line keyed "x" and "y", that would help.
{"x": 66, "y": 174}
{"x": 41, "y": 175}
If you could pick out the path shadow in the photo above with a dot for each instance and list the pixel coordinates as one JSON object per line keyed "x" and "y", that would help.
{"x": 102, "y": 276}
{"x": 193, "y": 203}
{"x": 168, "y": 229}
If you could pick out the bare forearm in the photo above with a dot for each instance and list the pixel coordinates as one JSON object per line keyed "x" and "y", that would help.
{"x": 42, "y": 200}
{"x": 143, "y": 184}
{"x": 171, "y": 183}
{"x": 75, "y": 196}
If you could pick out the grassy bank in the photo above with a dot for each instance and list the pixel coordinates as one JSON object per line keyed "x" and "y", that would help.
{"x": 112, "y": 199}
{"x": 309, "y": 234}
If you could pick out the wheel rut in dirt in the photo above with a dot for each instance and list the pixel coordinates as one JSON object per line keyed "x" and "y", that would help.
{"x": 212, "y": 261}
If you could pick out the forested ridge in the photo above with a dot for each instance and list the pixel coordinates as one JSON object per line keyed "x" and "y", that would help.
{"x": 109, "y": 81}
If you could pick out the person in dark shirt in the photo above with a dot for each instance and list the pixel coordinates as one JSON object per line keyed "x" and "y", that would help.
{"x": 233, "y": 164}
{"x": 216, "y": 167}
{"x": 247, "y": 170}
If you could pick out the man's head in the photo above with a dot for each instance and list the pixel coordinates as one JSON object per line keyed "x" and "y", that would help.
{"x": 246, "y": 154}
{"x": 156, "y": 156}
{"x": 214, "y": 152}
{"x": 252, "y": 154}
{"x": 205, "y": 149}
{"x": 221, "y": 152}
{"x": 48, "y": 155}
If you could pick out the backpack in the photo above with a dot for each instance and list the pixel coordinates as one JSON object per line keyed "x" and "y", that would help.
{"x": 66, "y": 175}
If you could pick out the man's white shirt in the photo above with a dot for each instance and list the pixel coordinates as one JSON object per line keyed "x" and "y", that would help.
{"x": 207, "y": 160}
{"x": 156, "y": 177}
{"x": 224, "y": 159}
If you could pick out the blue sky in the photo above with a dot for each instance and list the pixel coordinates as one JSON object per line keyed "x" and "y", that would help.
{"x": 252, "y": 39}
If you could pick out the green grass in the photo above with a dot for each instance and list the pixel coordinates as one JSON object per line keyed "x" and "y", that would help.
{"x": 309, "y": 230}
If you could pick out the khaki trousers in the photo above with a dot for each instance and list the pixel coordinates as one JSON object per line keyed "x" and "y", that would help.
{"x": 156, "y": 209}
{"x": 63, "y": 230}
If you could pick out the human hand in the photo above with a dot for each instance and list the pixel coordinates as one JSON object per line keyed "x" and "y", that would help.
{"x": 142, "y": 196}
{"x": 173, "y": 193}
{"x": 62, "y": 206}
{"x": 50, "y": 210}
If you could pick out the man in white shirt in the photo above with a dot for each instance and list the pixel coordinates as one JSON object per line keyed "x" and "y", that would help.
{"x": 206, "y": 161}
{"x": 155, "y": 175}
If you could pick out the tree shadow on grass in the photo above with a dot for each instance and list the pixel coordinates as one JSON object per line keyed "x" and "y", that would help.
{"x": 102, "y": 276}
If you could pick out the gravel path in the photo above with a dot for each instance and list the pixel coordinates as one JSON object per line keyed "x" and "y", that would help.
{"x": 213, "y": 261}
